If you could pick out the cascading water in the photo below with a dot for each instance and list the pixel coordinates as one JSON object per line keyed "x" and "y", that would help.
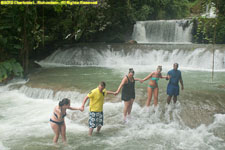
{"x": 189, "y": 57}
{"x": 163, "y": 31}
{"x": 40, "y": 93}
{"x": 210, "y": 11}
{"x": 24, "y": 122}
{"x": 196, "y": 121}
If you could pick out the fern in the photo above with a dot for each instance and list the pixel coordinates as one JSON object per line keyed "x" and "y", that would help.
{"x": 10, "y": 68}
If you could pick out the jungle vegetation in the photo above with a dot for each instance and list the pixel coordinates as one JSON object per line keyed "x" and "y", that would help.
{"x": 26, "y": 30}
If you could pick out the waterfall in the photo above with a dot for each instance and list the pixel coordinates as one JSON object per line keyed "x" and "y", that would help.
{"x": 39, "y": 93}
{"x": 163, "y": 31}
{"x": 210, "y": 11}
{"x": 190, "y": 57}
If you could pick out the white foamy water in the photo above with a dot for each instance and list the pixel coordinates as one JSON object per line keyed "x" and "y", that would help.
{"x": 163, "y": 31}
{"x": 210, "y": 11}
{"x": 40, "y": 93}
{"x": 24, "y": 120}
{"x": 25, "y": 125}
{"x": 141, "y": 59}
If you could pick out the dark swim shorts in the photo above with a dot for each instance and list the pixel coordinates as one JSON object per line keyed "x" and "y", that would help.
{"x": 95, "y": 119}
{"x": 172, "y": 90}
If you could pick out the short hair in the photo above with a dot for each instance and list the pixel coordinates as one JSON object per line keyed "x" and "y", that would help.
{"x": 102, "y": 83}
{"x": 176, "y": 64}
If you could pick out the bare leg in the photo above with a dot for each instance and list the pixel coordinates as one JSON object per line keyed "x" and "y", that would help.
{"x": 125, "y": 110}
{"x": 63, "y": 132}
{"x": 156, "y": 92}
{"x": 130, "y": 106}
{"x": 56, "y": 130}
{"x": 90, "y": 131}
{"x": 99, "y": 128}
{"x": 169, "y": 99}
{"x": 149, "y": 90}
{"x": 174, "y": 99}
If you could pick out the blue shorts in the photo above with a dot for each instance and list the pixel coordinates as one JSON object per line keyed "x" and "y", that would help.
{"x": 95, "y": 119}
{"x": 172, "y": 90}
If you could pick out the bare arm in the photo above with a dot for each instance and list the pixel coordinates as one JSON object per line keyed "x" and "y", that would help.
{"x": 121, "y": 85}
{"x": 138, "y": 79}
{"x": 84, "y": 101}
{"x": 149, "y": 76}
{"x": 164, "y": 77}
{"x": 75, "y": 108}
{"x": 168, "y": 77}
{"x": 181, "y": 82}
{"x": 111, "y": 92}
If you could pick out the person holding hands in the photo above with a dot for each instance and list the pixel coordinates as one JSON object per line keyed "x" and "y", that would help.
{"x": 96, "y": 97}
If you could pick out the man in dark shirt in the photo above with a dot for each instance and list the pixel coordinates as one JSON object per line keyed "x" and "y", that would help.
{"x": 174, "y": 77}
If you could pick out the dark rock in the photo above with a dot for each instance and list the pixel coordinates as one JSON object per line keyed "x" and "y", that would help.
{"x": 131, "y": 42}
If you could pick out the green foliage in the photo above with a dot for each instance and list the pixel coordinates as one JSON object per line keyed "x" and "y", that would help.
{"x": 9, "y": 38}
{"x": 211, "y": 30}
{"x": 3, "y": 73}
{"x": 12, "y": 28}
{"x": 143, "y": 13}
{"x": 10, "y": 68}
{"x": 205, "y": 29}
{"x": 110, "y": 19}
{"x": 220, "y": 36}
{"x": 159, "y": 9}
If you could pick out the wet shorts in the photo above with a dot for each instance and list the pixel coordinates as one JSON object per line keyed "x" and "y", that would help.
{"x": 95, "y": 119}
{"x": 172, "y": 90}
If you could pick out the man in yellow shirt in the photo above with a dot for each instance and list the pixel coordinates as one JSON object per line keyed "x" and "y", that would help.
{"x": 96, "y": 97}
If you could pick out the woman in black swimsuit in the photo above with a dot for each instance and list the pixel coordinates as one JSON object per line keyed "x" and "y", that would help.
{"x": 57, "y": 120}
{"x": 128, "y": 92}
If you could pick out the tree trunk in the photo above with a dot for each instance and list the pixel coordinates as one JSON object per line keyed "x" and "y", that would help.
{"x": 43, "y": 26}
{"x": 1, "y": 54}
{"x": 25, "y": 51}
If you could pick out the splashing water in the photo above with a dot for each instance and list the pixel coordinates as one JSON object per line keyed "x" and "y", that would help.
{"x": 140, "y": 57}
{"x": 196, "y": 121}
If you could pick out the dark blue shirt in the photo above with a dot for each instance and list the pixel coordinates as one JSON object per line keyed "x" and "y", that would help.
{"x": 175, "y": 76}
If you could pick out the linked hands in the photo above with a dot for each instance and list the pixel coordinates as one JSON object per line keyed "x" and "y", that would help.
{"x": 168, "y": 77}
{"x": 85, "y": 99}
{"x": 116, "y": 93}
{"x": 141, "y": 80}
{"x": 81, "y": 108}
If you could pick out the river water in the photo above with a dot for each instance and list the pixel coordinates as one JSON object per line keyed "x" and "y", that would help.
{"x": 196, "y": 121}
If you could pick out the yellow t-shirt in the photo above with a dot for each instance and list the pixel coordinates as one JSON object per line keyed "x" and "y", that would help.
{"x": 96, "y": 100}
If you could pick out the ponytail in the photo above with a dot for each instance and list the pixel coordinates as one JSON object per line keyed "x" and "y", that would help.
{"x": 64, "y": 101}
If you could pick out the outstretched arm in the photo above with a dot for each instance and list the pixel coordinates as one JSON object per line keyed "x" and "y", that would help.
{"x": 84, "y": 101}
{"x": 75, "y": 108}
{"x": 121, "y": 85}
{"x": 164, "y": 77}
{"x": 147, "y": 77}
{"x": 168, "y": 76}
{"x": 138, "y": 79}
{"x": 111, "y": 92}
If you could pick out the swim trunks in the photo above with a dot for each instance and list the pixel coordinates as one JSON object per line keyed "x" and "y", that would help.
{"x": 95, "y": 119}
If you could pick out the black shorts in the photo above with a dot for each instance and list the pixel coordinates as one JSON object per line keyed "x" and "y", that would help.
{"x": 126, "y": 97}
